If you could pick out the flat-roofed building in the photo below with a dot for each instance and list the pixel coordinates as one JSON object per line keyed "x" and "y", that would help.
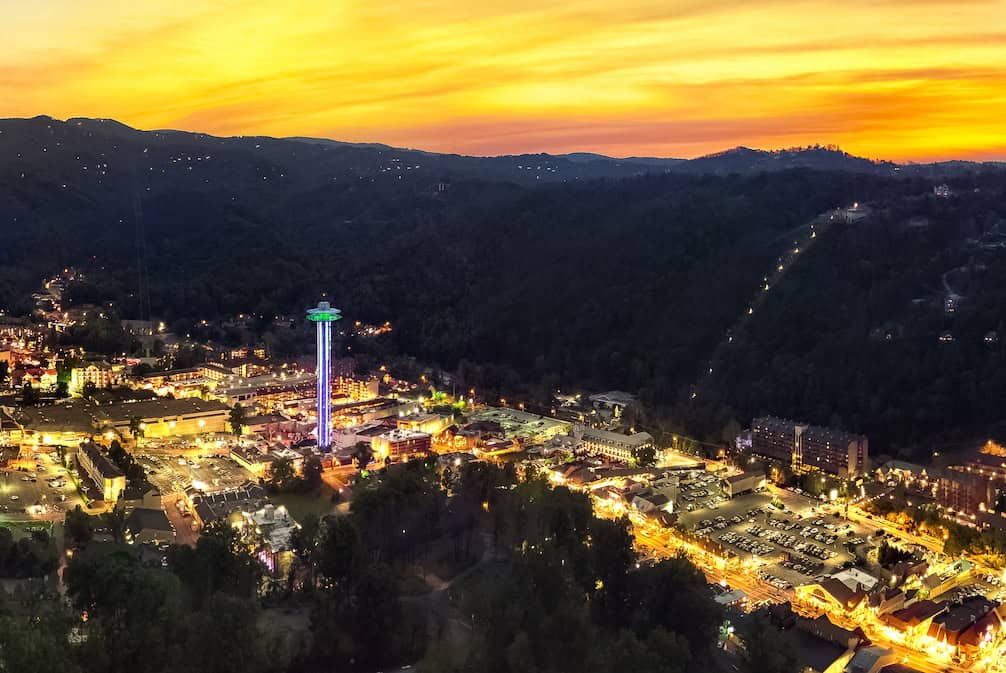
{"x": 523, "y": 426}
{"x": 832, "y": 451}
{"x": 808, "y": 447}
{"x": 105, "y": 474}
{"x": 399, "y": 443}
{"x": 773, "y": 437}
{"x": 742, "y": 483}
{"x": 434, "y": 424}
{"x": 165, "y": 417}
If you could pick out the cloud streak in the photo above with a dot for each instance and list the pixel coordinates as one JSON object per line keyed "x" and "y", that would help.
{"x": 906, "y": 79}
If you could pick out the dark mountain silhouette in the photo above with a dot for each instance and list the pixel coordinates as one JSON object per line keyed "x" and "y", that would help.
{"x": 576, "y": 270}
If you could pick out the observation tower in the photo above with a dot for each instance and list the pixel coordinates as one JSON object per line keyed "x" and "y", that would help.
{"x": 323, "y": 315}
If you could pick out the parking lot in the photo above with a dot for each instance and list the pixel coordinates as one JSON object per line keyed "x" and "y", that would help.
{"x": 43, "y": 491}
{"x": 790, "y": 546}
{"x": 175, "y": 474}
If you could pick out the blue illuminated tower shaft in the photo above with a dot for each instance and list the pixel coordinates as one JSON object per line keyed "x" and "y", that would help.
{"x": 324, "y": 315}
{"x": 324, "y": 385}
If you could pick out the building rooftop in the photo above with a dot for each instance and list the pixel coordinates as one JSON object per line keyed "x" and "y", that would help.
{"x": 916, "y": 613}
{"x": 401, "y": 434}
{"x": 147, "y": 519}
{"x": 638, "y": 439}
{"x": 101, "y": 462}
{"x": 157, "y": 408}
{"x": 866, "y": 659}
{"x": 619, "y": 397}
{"x": 853, "y": 578}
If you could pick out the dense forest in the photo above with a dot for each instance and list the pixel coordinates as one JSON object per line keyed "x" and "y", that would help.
{"x": 524, "y": 274}
{"x": 537, "y": 583}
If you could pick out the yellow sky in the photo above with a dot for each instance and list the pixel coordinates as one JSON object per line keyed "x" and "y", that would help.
{"x": 898, "y": 79}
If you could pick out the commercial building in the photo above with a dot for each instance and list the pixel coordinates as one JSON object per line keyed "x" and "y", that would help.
{"x": 220, "y": 505}
{"x": 809, "y": 447}
{"x": 75, "y": 421}
{"x": 742, "y": 483}
{"x": 100, "y": 374}
{"x": 357, "y": 389}
{"x": 612, "y": 445}
{"x": 871, "y": 660}
{"x": 163, "y": 417}
{"x": 523, "y": 426}
{"x": 105, "y": 474}
{"x": 149, "y": 526}
{"x": 268, "y": 530}
{"x": 400, "y": 443}
{"x": 612, "y": 402}
{"x": 433, "y": 424}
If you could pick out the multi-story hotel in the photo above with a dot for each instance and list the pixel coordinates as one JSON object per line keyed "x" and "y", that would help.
{"x": 400, "y": 443}
{"x": 101, "y": 374}
{"x": 612, "y": 445}
{"x": 808, "y": 447}
{"x": 102, "y": 471}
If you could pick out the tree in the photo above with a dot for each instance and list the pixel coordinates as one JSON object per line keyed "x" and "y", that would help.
{"x": 362, "y": 455}
{"x": 225, "y": 636}
{"x": 4, "y": 371}
{"x": 339, "y": 554}
{"x": 78, "y": 527}
{"x": 88, "y": 389}
{"x": 766, "y": 650}
{"x": 238, "y": 419}
{"x": 136, "y": 615}
{"x": 116, "y": 523}
{"x": 29, "y": 395}
{"x": 304, "y": 543}
{"x": 645, "y": 455}
{"x": 311, "y": 473}
{"x": 282, "y": 475}
{"x": 730, "y": 432}
{"x": 35, "y": 637}
{"x": 218, "y": 562}
{"x": 62, "y": 389}
{"x": 136, "y": 427}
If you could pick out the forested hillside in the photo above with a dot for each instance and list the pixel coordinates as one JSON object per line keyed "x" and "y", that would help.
{"x": 576, "y": 271}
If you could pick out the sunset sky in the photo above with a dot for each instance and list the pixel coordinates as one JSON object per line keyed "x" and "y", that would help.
{"x": 895, "y": 79}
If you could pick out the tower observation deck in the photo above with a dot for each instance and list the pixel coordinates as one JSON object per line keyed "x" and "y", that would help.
{"x": 323, "y": 315}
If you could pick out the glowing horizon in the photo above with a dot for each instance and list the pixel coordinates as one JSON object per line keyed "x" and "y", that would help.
{"x": 905, "y": 80}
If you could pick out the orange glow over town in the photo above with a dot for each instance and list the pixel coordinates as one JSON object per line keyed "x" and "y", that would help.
{"x": 905, "y": 80}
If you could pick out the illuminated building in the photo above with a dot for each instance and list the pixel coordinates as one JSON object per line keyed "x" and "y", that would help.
{"x": 103, "y": 472}
{"x": 400, "y": 443}
{"x": 612, "y": 445}
{"x": 324, "y": 315}
{"x": 101, "y": 374}
{"x": 433, "y": 424}
{"x": 357, "y": 389}
{"x": 808, "y": 447}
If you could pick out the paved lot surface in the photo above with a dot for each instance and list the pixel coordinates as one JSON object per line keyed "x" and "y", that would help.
{"x": 175, "y": 474}
{"x": 791, "y": 546}
{"x": 43, "y": 493}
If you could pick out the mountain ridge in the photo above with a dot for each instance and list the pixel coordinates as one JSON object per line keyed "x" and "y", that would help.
{"x": 739, "y": 159}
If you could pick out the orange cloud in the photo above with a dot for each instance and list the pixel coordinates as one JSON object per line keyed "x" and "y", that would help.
{"x": 908, "y": 79}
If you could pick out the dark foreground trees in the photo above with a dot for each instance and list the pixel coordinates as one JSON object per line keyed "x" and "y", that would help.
{"x": 532, "y": 581}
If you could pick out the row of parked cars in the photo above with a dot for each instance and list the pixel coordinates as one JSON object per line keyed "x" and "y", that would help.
{"x": 744, "y": 544}
{"x": 803, "y": 566}
{"x": 777, "y": 582}
{"x": 796, "y": 542}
